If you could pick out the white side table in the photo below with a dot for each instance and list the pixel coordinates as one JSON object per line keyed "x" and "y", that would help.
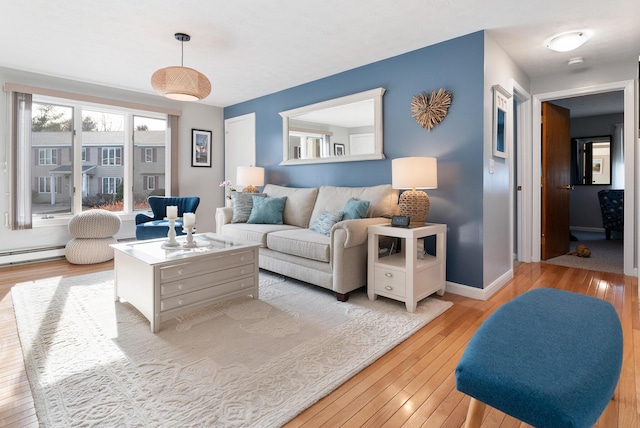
{"x": 403, "y": 276}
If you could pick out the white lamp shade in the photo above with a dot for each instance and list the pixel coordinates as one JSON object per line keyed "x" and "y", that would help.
{"x": 414, "y": 173}
{"x": 250, "y": 176}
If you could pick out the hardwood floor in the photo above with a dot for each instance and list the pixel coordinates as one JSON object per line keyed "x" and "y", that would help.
{"x": 411, "y": 386}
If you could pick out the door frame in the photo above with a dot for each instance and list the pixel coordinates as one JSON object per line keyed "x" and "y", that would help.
{"x": 522, "y": 205}
{"x": 628, "y": 88}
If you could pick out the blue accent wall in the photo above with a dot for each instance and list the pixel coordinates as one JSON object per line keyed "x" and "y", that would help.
{"x": 457, "y": 142}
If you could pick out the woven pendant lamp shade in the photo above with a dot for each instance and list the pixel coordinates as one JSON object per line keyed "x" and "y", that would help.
{"x": 181, "y": 83}
{"x": 414, "y": 173}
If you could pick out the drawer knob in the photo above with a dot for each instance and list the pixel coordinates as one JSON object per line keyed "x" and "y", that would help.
{"x": 180, "y": 271}
{"x": 388, "y": 275}
{"x": 241, "y": 271}
{"x": 180, "y": 286}
{"x": 180, "y": 302}
{"x": 242, "y": 258}
{"x": 388, "y": 288}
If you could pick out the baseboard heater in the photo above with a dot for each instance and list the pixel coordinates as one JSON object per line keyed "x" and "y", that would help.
{"x": 31, "y": 255}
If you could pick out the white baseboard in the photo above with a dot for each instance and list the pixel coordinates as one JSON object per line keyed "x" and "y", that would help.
{"x": 480, "y": 293}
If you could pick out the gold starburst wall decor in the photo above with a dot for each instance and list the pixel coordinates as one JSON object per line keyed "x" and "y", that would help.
{"x": 429, "y": 111}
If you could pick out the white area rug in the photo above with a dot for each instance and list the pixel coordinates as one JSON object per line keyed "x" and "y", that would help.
{"x": 244, "y": 363}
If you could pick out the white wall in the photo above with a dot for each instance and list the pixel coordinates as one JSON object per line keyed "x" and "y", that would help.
{"x": 202, "y": 182}
{"x": 497, "y": 200}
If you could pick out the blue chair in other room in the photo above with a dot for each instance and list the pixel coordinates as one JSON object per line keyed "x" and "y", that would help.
{"x": 612, "y": 207}
{"x": 151, "y": 227}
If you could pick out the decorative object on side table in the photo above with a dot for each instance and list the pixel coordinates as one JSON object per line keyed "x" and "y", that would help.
{"x": 414, "y": 173}
{"x": 430, "y": 111}
{"x": 251, "y": 176}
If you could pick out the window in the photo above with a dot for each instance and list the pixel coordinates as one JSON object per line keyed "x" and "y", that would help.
{"x": 48, "y": 156}
{"x": 111, "y": 184}
{"x": 44, "y": 184}
{"x": 72, "y": 155}
{"x": 111, "y": 156}
{"x": 150, "y": 182}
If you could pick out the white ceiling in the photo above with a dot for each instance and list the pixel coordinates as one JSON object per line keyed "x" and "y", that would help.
{"x": 250, "y": 48}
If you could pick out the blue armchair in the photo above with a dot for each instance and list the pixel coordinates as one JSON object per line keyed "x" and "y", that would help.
{"x": 150, "y": 227}
{"x": 612, "y": 207}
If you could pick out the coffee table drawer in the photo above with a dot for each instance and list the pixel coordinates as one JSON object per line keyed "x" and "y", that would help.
{"x": 173, "y": 272}
{"x": 185, "y": 285}
{"x": 205, "y": 294}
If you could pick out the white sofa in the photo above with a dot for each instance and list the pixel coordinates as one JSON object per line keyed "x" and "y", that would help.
{"x": 337, "y": 262}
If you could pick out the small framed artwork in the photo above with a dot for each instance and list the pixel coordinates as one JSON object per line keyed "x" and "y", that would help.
{"x": 597, "y": 166}
{"x": 500, "y": 120}
{"x": 200, "y": 148}
{"x": 338, "y": 149}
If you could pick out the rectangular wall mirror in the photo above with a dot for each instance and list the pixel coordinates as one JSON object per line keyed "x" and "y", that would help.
{"x": 591, "y": 160}
{"x": 339, "y": 130}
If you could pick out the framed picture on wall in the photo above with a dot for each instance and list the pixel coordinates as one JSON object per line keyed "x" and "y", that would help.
{"x": 200, "y": 148}
{"x": 500, "y": 120}
{"x": 338, "y": 149}
{"x": 597, "y": 166}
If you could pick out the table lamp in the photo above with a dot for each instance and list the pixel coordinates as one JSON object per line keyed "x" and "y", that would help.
{"x": 414, "y": 173}
{"x": 251, "y": 176}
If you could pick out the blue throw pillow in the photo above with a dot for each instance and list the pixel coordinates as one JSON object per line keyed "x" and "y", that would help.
{"x": 267, "y": 210}
{"x": 325, "y": 222}
{"x": 354, "y": 209}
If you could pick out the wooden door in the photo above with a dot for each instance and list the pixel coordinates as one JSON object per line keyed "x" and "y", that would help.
{"x": 556, "y": 176}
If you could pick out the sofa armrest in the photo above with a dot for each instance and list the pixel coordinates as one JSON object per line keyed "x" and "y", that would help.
{"x": 351, "y": 233}
{"x": 223, "y": 216}
{"x": 143, "y": 218}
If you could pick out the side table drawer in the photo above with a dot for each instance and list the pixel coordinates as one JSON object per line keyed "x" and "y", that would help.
{"x": 173, "y": 272}
{"x": 208, "y": 279}
{"x": 389, "y": 281}
{"x": 205, "y": 294}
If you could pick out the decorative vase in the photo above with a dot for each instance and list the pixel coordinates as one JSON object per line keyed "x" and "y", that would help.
{"x": 228, "y": 202}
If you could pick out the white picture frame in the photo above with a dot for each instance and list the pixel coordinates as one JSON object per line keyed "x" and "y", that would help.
{"x": 500, "y": 121}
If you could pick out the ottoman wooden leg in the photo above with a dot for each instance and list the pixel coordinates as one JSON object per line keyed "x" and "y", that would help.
{"x": 475, "y": 414}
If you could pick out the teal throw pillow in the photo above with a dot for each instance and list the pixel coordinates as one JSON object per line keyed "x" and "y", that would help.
{"x": 354, "y": 209}
{"x": 267, "y": 210}
{"x": 242, "y": 205}
{"x": 325, "y": 222}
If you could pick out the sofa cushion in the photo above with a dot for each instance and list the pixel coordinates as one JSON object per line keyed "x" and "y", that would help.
{"x": 300, "y": 202}
{"x": 300, "y": 242}
{"x": 267, "y": 210}
{"x": 325, "y": 222}
{"x": 355, "y": 209}
{"x": 383, "y": 200}
{"x": 253, "y": 232}
{"x": 242, "y": 205}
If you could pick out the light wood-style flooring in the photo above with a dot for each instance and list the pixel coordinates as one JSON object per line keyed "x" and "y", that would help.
{"x": 411, "y": 386}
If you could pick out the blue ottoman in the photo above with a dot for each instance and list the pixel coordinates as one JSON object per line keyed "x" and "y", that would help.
{"x": 550, "y": 358}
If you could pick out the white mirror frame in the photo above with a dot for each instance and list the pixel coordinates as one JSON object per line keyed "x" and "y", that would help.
{"x": 375, "y": 94}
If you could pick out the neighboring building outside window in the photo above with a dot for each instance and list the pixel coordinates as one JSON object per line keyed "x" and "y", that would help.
{"x": 84, "y": 154}
{"x": 44, "y": 184}
{"x": 151, "y": 182}
{"x": 148, "y": 154}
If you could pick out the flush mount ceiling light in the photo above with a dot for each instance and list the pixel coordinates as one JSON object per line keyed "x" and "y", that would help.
{"x": 566, "y": 42}
{"x": 181, "y": 83}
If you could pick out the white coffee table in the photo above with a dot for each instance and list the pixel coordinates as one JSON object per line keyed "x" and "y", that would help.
{"x": 163, "y": 283}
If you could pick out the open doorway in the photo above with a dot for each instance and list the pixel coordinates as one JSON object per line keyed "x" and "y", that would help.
{"x": 597, "y": 164}
{"x": 534, "y": 204}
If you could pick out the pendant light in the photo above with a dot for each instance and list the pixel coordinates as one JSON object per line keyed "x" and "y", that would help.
{"x": 181, "y": 83}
